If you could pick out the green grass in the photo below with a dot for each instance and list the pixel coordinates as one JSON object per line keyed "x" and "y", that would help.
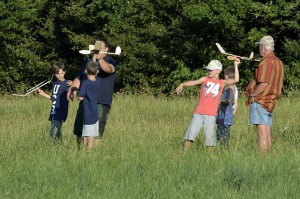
{"x": 141, "y": 154}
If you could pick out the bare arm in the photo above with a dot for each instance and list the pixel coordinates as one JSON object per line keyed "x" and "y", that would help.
{"x": 80, "y": 98}
{"x": 42, "y": 93}
{"x": 74, "y": 86}
{"x": 189, "y": 83}
{"x": 236, "y": 73}
{"x": 106, "y": 67}
{"x": 236, "y": 104}
{"x": 259, "y": 88}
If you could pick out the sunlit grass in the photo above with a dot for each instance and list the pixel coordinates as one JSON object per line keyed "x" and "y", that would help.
{"x": 141, "y": 154}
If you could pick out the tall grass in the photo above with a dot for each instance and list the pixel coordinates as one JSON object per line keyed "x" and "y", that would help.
{"x": 141, "y": 154}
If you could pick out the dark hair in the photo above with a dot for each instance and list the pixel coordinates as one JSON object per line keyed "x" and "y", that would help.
{"x": 91, "y": 68}
{"x": 230, "y": 72}
{"x": 57, "y": 66}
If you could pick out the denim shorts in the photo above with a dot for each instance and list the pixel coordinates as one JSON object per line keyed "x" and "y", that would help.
{"x": 259, "y": 115}
{"x": 209, "y": 124}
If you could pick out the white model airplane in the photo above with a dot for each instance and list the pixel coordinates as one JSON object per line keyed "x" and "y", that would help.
{"x": 91, "y": 47}
{"x": 231, "y": 56}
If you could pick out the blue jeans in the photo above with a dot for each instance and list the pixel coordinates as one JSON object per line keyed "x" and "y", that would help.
{"x": 55, "y": 131}
{"x": 223, "y": 133}
{"x": 259, "y": 115}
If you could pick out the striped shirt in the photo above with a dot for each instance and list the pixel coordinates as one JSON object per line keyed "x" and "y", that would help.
{"x": 270, "y": 70}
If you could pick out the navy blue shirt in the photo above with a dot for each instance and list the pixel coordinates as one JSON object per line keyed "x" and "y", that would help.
{"x": 60, "y": 104}
{"x": 107, "y": 81}
{"x": 89, "y": 90}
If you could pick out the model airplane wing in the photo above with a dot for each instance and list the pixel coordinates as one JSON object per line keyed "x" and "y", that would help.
{"x": 43, "y": 83}
{"x": 231, "y": 56}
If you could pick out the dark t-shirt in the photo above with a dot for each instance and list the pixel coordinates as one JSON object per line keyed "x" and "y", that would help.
{"x": 89, "y": 90}
{"x": 225, "y": 115}
{"x": 60, "y": 104}
{"x": 106, "y": 83}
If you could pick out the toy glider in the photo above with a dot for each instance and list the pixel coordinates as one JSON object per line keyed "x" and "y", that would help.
{"x": 231, "y": 56}
{"x": 39, "y": 85}
{"x": 117, "y": 51}
{"x": 91, "y": 48}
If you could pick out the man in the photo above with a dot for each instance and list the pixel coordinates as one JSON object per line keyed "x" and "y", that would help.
{"x": 107, "y": 76}
{"x": 264, "y": 91}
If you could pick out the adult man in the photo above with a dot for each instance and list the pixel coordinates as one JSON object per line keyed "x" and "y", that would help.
{"x": 107, "y": 75}
{"x": 264, "y": 91}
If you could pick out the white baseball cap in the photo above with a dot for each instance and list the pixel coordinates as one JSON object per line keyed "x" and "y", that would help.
{"x": 214, "y": 65}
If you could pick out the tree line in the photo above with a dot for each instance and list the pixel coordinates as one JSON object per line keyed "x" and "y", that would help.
{"x": 164, "y": 42}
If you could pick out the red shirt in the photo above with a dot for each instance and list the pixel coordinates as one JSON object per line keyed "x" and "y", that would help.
{"x": 209, "y": 97}
{"x": 270, "y": 70}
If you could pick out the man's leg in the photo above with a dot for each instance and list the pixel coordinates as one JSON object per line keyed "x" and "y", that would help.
{"x": 78, "y": 125}
{"x": 103, "y": 112}
{"x": 262, "y": 119}
{"x": 265, "y": 139}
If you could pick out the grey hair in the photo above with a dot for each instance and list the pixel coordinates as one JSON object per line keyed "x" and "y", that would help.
{"x": 270, "y": 48}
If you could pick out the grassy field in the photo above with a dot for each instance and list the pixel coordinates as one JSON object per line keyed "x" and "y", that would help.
{"x": 141, "y": 154}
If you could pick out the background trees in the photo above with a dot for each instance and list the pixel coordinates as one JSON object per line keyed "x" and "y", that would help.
{"x": 165, "y": 42}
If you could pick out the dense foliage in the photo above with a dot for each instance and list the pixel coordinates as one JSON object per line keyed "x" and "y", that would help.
{"x": 164, "y": 41}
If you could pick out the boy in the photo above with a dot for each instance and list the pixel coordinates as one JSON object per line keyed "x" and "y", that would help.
{"x": 227, "y": 109}
{"x": 88, "y": 93}
{"x": 60, "y": 104}
{"x": 209, "y": 97}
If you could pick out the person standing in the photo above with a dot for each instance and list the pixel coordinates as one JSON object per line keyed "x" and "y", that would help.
{"x": 227, "y": 109}
{"x": 263, "y": 92}
{"x": 88, "y": 94}
{"x": 107, "y": 67}
{"x": 60, "y": 105}
{"x": 206, "y": 109}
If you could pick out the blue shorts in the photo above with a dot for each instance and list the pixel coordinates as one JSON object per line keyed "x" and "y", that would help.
{"x": 259, "y": 115}
{"x": 209, "y": 124}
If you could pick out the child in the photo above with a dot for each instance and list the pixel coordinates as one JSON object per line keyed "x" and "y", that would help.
{"x": 88, "y": 92}
{"x": 209, "y": 97}
{"x": 227, "y": 109}
{"x": 60, "y": 104}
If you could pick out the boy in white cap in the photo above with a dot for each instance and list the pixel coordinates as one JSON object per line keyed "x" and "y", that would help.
{"x": 263, "y": 92}
{"x": 209, "y": 99}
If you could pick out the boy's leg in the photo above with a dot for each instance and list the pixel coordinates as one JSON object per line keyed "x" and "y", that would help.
{"x": 223, "y": 134}
{"x": 88, "y": 142}
{"x": 192, "y": 132}
{"x": 55, "y": 131}
{"x": 210, "y": 131}
{"x": 187, "y": 145}
{"x": 227, "y": 135}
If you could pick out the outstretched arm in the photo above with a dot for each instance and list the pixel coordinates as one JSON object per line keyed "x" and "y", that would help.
{"x": 236, "y": 79}
{"x": 189, "y": 83}
{"x": 42, "y": 93}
